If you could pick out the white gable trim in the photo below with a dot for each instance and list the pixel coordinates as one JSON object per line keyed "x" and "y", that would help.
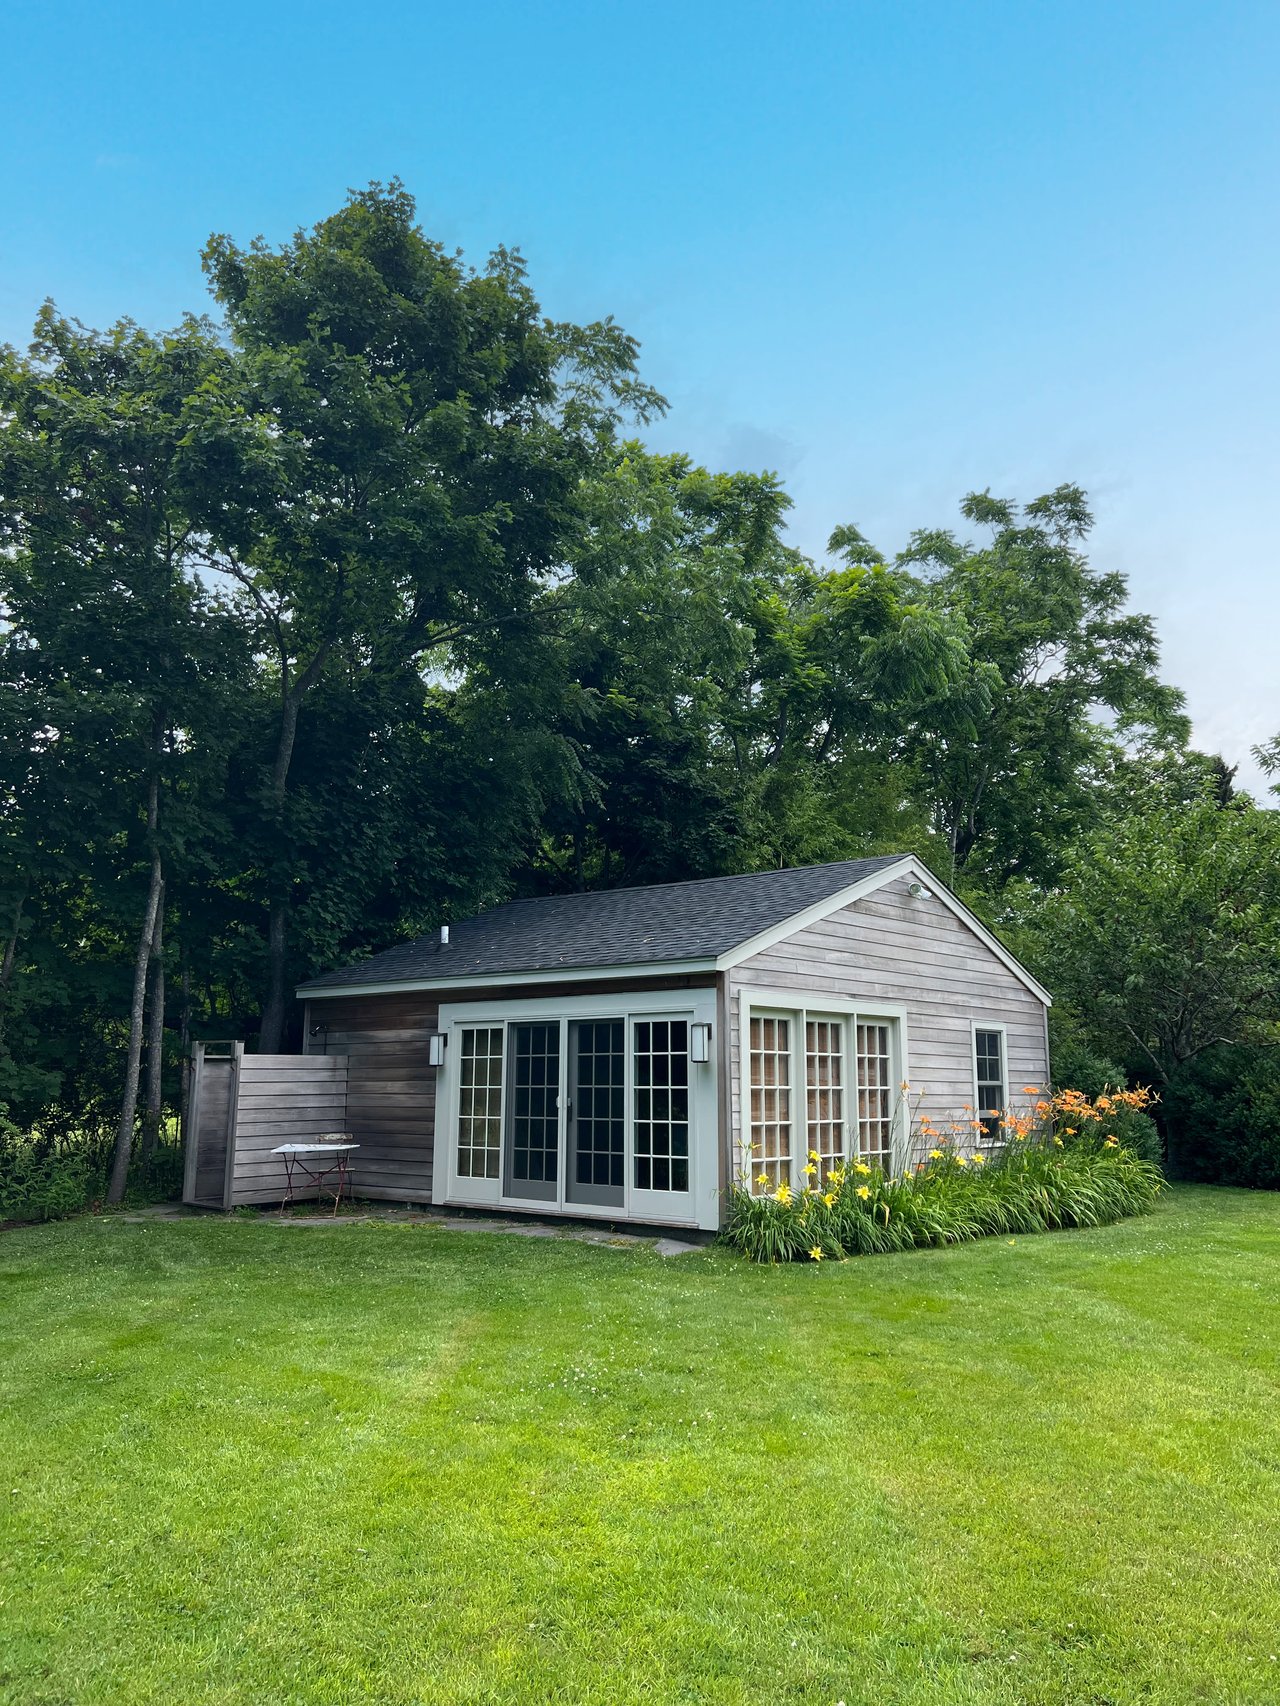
{"x": 812, "y": 914}
{"x": 908, "y": 866}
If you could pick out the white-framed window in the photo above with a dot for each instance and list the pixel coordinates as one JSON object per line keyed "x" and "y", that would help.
{"x": 660, "y": 1112}
{"x": 877, "y": 1092}
{"x": 820, "y": 1081}
{"x": 480, "y": 1101}
{"x": 769, "y": 1107}
{"x": 990, "y": 1076}
{"x": 825, "y": 1063}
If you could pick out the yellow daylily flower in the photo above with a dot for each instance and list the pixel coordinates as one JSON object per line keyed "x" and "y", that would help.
{"x": 863, "y": 1192}
{"x": 815, "y": 1255}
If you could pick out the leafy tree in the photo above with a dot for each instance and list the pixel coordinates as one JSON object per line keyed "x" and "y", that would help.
{"x": 401, "y": 452}
{"x": 1268, "y": 756}
{"x": 1066, "y": 674}
{"x": 730, "y": 704}
{"x": 1164, "y": 937}
{"x": 115, "y": 659}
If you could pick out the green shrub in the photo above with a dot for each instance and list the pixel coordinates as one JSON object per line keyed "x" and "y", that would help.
{"x": 46, "y": 1176}
{"x": 1223, "y": 1115}
{"x": 42, "y": 1178}
{"x": 1040, "y": 1179}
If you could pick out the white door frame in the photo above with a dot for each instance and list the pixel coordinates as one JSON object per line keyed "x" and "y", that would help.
{"x": 699, "y": 1206}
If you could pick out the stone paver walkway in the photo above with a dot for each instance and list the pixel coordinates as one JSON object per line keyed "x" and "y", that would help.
{"x": 661, "y": 1246}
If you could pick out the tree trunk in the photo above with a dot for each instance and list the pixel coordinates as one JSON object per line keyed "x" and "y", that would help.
{"x": 11, "y": 952}
{"x": 151, "y": 1114}
{"x": 273, "y": 1012}
{"x": 133, "y": 1063}
{"x": 274, "y": 1008}
{"x": 184, "y": 1020}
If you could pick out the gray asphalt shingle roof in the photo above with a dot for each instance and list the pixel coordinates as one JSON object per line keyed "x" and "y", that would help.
{"x": 609, "y": 927}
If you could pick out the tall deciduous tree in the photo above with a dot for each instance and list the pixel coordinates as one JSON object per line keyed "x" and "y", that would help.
{"x": 1068, "y": 672}
{"x": 402, "y": 450}
{"x": 1164, "y": 936}
{"x": 114, "y": 652}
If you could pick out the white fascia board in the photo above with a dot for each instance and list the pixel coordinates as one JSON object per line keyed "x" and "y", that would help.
{"x": 506, "y": 979}
{"x": 909, "y": 865}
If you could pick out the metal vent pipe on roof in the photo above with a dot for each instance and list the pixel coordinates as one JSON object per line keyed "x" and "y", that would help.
{"x": 444, "y": 935}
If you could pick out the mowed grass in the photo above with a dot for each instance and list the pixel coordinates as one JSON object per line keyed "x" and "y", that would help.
{"x": 394, "y": 1464}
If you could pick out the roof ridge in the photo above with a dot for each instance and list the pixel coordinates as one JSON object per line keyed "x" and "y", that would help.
{"x": 694, "y": 882}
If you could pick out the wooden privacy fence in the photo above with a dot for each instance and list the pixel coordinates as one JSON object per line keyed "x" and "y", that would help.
{"x": 242, "y": 1106}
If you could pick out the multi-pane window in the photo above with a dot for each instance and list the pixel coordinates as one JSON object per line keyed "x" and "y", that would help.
{"x": 660, "y": 1063}
{"x": 988, "y": 1053}
{"x": 480, "y": 1103}
{"x": 824, "y": 1092}
{"x": 874, "y": 1061}
{"x": 534, "y": 1110}
{"x": 598, "y": 1095}
{"x": 770, "y": 1102}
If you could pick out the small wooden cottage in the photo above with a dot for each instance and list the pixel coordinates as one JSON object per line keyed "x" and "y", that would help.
{"x": 609, "y": 1055}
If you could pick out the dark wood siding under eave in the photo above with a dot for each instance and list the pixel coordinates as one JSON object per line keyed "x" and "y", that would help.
{"x": 391, "y": 1090}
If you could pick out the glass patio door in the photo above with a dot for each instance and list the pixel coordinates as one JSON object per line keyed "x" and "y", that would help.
{"x": 532, "y": 1138}
{"x": 597, "y": 1112}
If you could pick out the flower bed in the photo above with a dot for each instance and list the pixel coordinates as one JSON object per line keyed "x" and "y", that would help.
{"x": 1063, "y": 1162}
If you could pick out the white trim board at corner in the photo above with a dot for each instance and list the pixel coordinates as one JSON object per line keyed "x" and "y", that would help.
{"x": 908, "y": 865}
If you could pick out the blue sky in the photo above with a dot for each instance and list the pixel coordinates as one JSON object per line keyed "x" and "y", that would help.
{"x": 894, "y": 251}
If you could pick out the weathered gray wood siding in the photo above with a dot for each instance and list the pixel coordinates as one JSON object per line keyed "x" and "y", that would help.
{"x": 391, "y": 1090}
{"x": 282, "y": 1098}
{"x": 915, "y": 954}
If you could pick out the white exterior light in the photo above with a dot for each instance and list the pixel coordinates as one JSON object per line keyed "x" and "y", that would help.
{"x": 437, "y": 1042}
{"x": 920, "y": 891}
{"x": 700, "y": 1044}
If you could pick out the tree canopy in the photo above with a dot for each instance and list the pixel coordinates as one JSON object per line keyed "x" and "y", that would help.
{"x": 365, "y": 604}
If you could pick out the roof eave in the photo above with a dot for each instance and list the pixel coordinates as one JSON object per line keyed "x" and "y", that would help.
{"x": 506, "y": 979}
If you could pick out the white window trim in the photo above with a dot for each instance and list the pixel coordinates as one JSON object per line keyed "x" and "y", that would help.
{"x": 975, "y": 1026}
{"x": 699, "y": 1206}
{"x": 800, "y": 1006}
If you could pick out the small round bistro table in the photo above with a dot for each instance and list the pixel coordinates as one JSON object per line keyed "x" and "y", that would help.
{"x": 324, "y": 1163}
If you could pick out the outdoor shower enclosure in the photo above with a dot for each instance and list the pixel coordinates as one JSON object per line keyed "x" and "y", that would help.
{"x": 242, "y": 1106}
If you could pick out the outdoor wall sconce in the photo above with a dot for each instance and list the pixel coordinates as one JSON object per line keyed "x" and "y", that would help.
{"x": 437, "y": 1042}
{"x": 700, "y": 1044}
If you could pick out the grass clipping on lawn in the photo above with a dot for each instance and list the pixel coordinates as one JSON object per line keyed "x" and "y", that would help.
{"x": 1060, "y": 1165}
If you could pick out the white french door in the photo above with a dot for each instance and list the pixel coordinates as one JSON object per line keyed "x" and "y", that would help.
{"x": 581, "y": 1108}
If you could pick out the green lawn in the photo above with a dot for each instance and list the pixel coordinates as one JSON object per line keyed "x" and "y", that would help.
{"x": 394, "y": 1464}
